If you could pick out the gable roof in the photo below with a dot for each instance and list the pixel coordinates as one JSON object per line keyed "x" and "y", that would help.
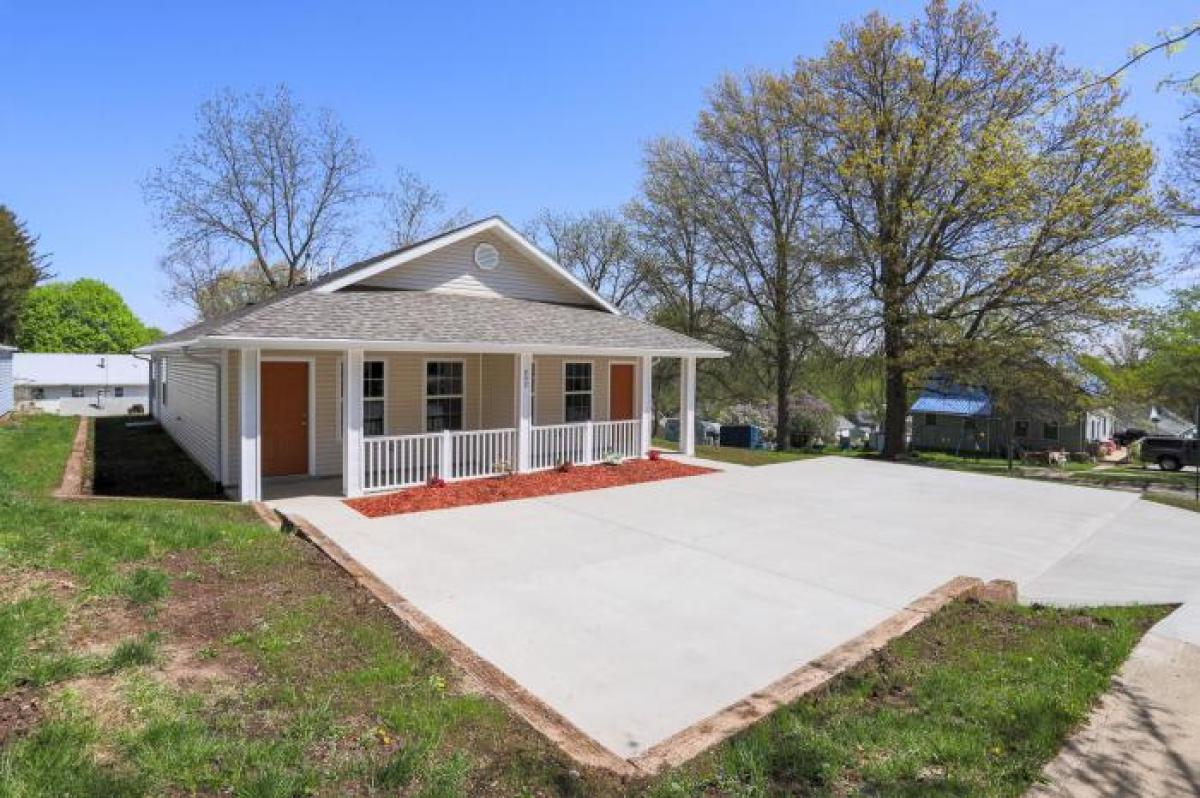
{"x": 418, "y": 320}
{"x": 57, "y": 368}
{"x": 494, "y": 224}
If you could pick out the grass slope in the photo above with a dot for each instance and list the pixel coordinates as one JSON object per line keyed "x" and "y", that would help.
{"x": 151, "y": 648}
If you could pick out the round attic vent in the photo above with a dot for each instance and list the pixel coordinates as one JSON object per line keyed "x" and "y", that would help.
{"x": 487, "y": 257}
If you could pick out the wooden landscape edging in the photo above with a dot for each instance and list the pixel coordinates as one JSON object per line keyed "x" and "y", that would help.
{"x": 695, "y": 739}
{"x": 72, "y": 485}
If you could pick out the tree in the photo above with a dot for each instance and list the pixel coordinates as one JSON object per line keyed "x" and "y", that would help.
{"x": 596, "y": 247}
{"x": 753, "y": 183}
{"x": 210, "y": 287}
{"x": 261, "y": 181}
{"x": 983, "y": 196}
{"x": 414, "y": 210}
{"x": 21, "y": 268}
{"x": 1170, "y": 368}
{"x": 81, "y": 316}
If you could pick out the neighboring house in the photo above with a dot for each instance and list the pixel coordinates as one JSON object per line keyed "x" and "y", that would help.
{"x": 959, "y": 418}
{"x": 81, "y": 385}
{"x": 1153, "y": 419}
{"x": 6, "y": 379}
{"x": 469, "y": 354}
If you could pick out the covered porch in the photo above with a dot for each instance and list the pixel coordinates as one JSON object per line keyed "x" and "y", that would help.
{"x": 361, "y": 421}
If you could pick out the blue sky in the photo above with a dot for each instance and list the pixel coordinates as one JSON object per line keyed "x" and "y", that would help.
{"x": 506, "y": 107}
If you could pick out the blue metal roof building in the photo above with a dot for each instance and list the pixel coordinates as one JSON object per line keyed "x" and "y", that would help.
{"x": 943, "y": 396}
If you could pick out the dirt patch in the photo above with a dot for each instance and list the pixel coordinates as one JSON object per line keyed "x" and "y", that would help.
{"x": 19, "y": 585}
{"x": 522, "y": 486}
{"x": 20, "y": 711}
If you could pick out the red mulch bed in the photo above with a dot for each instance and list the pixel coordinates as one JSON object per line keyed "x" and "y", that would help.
{"x": 522, "y": 486}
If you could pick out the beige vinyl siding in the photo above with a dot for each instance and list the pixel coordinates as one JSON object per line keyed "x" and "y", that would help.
{"x": 498, "y": 392}
{"x": 233, "y": 448}
{"x": 190, "y": 414}
{"x": 452, "y": 269}
{"x": 404, "y": 372}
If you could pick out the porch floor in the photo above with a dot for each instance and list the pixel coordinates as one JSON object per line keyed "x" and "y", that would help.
{"x": 299, "y": 487}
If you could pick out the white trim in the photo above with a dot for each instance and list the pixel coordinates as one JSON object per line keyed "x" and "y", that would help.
{"x": 250, "y": 415}
{"x": 646, "y": 408}
{"x": 352, "y": 439}
{"x": 687, "y": 406}
{"x": 381, "y": 399}
{"x": 311, "y": 419}
{"x": 634, "y": 387}
{"x": 591, "y": 392}
{"x": 323, "y": 344}
{"x": 339, "y": 397}
{"x": 495, "y": 223}
{"x": 462, "y": 396}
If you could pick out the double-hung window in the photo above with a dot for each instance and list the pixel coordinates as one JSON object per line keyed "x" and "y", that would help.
{"x": 374, "y": 397}
{"x": 443, "y": 395}
{"x": 1050, "y": 431}
{"x": 577, "y": 392}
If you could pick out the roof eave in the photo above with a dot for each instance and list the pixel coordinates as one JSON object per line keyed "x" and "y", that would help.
{"x": 336, "y": 344}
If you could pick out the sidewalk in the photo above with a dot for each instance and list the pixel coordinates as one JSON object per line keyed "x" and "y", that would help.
{"x": 1143, "y": 739}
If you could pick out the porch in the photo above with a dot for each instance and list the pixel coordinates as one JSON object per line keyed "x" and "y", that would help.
{"x": 360, "y": 422}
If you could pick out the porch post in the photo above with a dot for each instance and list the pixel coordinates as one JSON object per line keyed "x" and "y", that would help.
{"x": 250, "y": 480}
{"x": 687, "y": 405}
{"x": 524, "y": 410}
{"x": 647, "y": 374}
{"x": 352, "y": 420}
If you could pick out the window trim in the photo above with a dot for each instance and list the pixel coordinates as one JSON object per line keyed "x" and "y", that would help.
{"x": 1017, "y": 422}
{"x": 78, "y": 392}
{"x": 162, "y": 380}
{"x": 462, "y": 361}
{"x": 381, "y": 399}
{"x": 1057, "y": 430}
{"x": 591, "y": 392}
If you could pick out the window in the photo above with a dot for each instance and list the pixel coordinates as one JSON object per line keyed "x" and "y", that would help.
{"x": 1050, "y": 431}
{"x": 1021, "y": 428}
{"x": 931, "y": 419}
{"x": 374, "y": 394}
{"x": 37, "y": 394}
{"x": 162, "y": 380}
{"x": 443, "y": 395}
{"x": 76, "y": 391}
{"x": 119, "y": 392}
{"x": 577, "y": 392}
{"x": 969, "y": 423}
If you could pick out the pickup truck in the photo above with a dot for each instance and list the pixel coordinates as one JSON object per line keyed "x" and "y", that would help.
{"x": 1171, "y": 454}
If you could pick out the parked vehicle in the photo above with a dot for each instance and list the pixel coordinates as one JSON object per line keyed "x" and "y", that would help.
{"x": 1129, "y": 436}
{"x": 1169, "y": 453}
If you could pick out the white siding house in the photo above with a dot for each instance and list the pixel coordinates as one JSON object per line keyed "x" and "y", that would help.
{"x": 6, "y": 379}
{"x": 81, "y": 385}
{"x": 470, "y": 354}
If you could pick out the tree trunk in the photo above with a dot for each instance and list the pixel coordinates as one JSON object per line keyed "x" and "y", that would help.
{"x": 783, "y": 416}
{"x": 895, "y": 390}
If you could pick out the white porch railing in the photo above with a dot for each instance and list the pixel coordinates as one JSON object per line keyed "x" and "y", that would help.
{"x": 583, "y": 443}
{"x": 399, "y": 461}
{"x": 396, "y": 461}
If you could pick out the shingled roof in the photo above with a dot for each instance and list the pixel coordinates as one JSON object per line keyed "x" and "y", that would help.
{"x": 416, "y": 318}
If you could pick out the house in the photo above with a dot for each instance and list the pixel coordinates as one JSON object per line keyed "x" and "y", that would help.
{"x": 6, "y": 379}
{"x": 81, "y": 385}
{"x": 959, "y": 418}
{"x": 469, "y": 354}
{"x": 1154, "y": 420}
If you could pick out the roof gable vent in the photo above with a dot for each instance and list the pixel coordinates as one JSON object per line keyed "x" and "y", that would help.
{"x": 487, "y": 257}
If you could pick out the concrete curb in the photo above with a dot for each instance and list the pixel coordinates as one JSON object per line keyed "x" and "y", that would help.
{"x": 689, "y": 742}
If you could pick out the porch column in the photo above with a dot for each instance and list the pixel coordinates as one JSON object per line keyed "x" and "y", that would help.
{"x": 687, "y": 405}
{"x": 524, "y": 410}
{"x": 250, "y": 479}
{"x": 352, "y": 421}
{"x": 647, "y": 375}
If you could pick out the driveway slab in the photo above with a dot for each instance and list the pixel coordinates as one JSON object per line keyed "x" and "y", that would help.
{"x": 638, "y": 611}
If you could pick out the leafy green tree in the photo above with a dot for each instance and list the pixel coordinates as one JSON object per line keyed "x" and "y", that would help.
{"x": 1171, "y": 365}
{"x": 987, "y": 192}
{"x": 80, "y": 316}
{"x": 21, "y": 267}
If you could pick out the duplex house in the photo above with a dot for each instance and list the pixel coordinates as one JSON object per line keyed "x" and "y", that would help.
{"x": 470, "y": 354}
{"x": 81, "y": 384}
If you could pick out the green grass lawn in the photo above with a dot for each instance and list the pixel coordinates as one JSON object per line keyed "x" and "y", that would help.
{"x": 1184, "y": 501}
{"x": 731, "y": 454}
{"x": 159, "y": 648}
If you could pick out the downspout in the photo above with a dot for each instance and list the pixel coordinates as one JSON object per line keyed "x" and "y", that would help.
{"x": 151, "y": 398}
{"x": 216, "y": 366}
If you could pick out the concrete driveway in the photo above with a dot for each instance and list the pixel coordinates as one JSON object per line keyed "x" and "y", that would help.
{"x": 638, "y": 611}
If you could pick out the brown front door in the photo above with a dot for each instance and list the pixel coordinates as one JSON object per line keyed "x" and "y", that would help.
{"x": 284, "y": 419}
{"x": 620, "y": 391}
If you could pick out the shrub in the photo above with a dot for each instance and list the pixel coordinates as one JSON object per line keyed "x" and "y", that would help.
{"x": 654, "y": 454}
{"x": 565, "y": 466}
{"x": 435, "y": 482}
